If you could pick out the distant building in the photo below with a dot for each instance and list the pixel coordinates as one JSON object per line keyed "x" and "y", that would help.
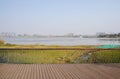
{"x": 7, "y": 34}
{"x": 70, "y": 35}
{"x": 101, "y": 34}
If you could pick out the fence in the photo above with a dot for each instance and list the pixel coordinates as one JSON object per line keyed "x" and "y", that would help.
{"x": 58, "y": 55}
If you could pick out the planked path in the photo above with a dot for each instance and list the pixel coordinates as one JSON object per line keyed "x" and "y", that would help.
{"x": 59, "y": 71}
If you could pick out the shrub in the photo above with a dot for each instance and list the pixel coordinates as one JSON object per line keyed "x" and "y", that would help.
{"x": 8, "y": 44}
{"x": 1, "y": 42}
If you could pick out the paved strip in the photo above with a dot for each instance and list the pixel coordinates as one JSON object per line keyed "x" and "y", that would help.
{"x": 59, "y": 71}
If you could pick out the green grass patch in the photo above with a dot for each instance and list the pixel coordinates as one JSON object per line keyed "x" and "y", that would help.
{"x": 39, "y": 56}
{"x": 106, "y": 56}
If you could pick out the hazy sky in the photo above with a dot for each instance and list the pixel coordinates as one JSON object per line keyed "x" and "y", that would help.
{"x": 60, "y": 16}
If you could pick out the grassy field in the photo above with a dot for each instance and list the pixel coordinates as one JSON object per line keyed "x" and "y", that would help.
{"x": 106, "y": 56}
{"x": 56, "y": 56}
{"x": 40, "y": 56}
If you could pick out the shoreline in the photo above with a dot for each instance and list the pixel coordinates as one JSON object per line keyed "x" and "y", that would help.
{"x": 46, "y": 46}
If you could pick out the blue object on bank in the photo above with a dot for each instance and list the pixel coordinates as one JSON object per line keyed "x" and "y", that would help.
{"x": 109, "y": 46}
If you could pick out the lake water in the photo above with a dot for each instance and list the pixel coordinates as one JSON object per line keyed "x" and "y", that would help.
{"x": 63, "y": 41}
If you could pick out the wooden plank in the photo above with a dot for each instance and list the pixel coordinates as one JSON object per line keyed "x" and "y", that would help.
{"x": 59, "y": 71}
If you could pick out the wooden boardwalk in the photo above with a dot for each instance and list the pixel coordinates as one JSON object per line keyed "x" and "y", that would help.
{"x": 59, "y": 71}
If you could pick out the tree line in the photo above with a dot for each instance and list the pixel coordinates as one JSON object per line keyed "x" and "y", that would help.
{"x": 116, "y": 35}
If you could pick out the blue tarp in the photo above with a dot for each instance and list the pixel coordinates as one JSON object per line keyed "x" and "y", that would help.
{"x": 109, "y": 46}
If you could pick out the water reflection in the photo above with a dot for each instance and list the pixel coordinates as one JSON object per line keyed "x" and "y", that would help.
{"x": 63, "y": 41}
